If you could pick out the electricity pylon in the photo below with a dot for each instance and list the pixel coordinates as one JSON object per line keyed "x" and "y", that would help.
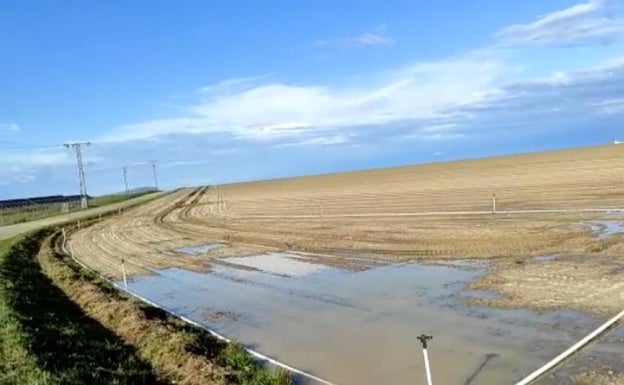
{"x": 77, "y": 147}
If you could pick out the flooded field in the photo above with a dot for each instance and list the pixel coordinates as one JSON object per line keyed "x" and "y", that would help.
{"x": 359, "y": 325}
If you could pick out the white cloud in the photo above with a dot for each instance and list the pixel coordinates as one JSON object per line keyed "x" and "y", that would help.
{"x": 270, "y": 111}
{"x": 9, "y": 127}
{"x": 609, "y": 106}
{"x": 231, "y": 84}
{"x": 185, "y": 163}
{"x": 19, "y": 159}
{"x": 427, "y": 134}
{"x": 593, "y": 22}
{"x": 440, "y": 128}
{"x": 367, "y": 39}
{"x": 26, "y": 176}
{"x": 19, "y": 166}
{"x": 330, "y": 140}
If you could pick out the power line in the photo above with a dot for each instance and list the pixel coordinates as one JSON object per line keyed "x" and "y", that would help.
{"x": 81, "y": 175}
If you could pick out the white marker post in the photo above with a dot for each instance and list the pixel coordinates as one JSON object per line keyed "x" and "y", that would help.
{"x": 423, "y": 339}
{"x": 123, "y": 273}
{"x": 493, "y": 203}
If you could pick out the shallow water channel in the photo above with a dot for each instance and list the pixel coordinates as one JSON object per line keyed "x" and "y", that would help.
{"x": 360, "y": 327}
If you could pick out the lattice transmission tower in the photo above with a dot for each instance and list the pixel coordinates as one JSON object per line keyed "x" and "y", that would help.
{"x": 77, "y": 147}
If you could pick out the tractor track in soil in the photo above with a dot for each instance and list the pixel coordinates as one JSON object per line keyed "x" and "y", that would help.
{"x": 369, "y": 214}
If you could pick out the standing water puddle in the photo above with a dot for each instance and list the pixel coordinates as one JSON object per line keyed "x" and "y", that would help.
{"x": 360, "y": 327}
{"x": 201, "y": 249}
{"x": 278, "y": 263}
{"x": 604, "y": 229}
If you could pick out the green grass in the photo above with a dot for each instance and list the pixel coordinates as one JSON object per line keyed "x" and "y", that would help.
{"x": 242, "y": 367}
{"x": 248, "y": 372}
{"x": 46, "y": 338}
{"x": 14, "y": 215}
{"x": 17, "y": 365}
{"x": 115, "y": 198}
{"x": 10, "y": 216}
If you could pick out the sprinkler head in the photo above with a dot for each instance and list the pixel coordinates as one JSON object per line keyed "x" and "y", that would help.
{"x": 423, "y": 339}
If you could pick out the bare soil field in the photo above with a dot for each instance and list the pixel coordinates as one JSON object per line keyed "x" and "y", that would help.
{"x": 434, "y": 211}
{"x": 553, "y": 242}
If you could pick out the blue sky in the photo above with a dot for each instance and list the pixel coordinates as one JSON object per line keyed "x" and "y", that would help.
{"x": 239, "y": 90}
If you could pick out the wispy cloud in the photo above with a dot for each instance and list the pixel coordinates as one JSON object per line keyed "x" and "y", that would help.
{"x": 593, "y": 22}
{"x": 273, "y": 111}
{"x": 609, "y": 106}
{"x": 436, "y": 100}
{"x": 185, "y": 163}
{"x": 329, "y": 140}
{"x": 21, "y": 158}
{"x": 368, "y": 39}
{"x": 23, "y": 166}
{"x": 9, "y": 126}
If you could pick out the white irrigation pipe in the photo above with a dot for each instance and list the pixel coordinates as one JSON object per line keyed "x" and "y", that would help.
{"x": 427, "y": 367}
{"x": 555, "y": 361}
{"x": 254, "y": 353}
{"x": 123, "y": 272}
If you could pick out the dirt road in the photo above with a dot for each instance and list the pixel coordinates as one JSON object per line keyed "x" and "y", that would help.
{"x": 20, "y": 228}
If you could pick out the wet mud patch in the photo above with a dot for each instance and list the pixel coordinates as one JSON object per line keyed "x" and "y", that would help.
{"x": 592, "y": 284}
{"x": 597, "y": 364}
{"x": 219, "y": 315}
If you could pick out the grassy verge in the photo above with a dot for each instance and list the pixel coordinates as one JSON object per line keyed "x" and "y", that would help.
{"x": 11, "y": 216}
{"x": 62, "y": 325}
{"x": 49, "y": 339}
{"x": 179, "y": 351}
{"x": 17, "y": 365}
{"x": 115, "y": 198}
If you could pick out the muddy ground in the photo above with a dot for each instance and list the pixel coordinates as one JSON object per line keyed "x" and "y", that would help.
{"x": 154, "y": 237}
